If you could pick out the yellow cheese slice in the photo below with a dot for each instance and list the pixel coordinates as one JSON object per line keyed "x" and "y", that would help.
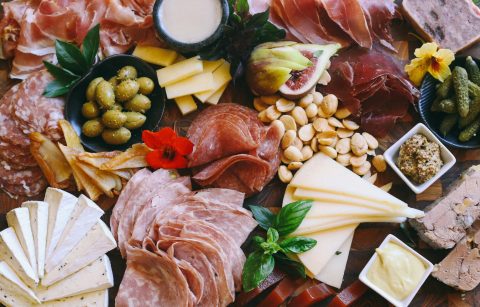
{"x": 215, "y": 98}
{"x": 194, "y": 84}
{"x": 155, "y": 55}
{"x": 321, "y": 173}
{"x": 179, "y": 71}
{"x": 186, "y": 104}
{"x": 210, "y": 66}
{"x": 221, "y": 76}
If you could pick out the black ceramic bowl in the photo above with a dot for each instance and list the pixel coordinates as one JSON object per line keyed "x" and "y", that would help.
{"x": 193, "y": 48}
{"x": 433, "y": 119}
{"x": 106, "y": 69}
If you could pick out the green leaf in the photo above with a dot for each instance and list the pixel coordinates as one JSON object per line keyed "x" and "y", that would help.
{"x": 57, "y": 88}
{"x": 290, "y": 266}
{"x": 70, "y": 57}
{"x": 258, "y": 20}
{"x": 297, "y": 245}
{"x": 90, "y": 45}
{"x": 264, "y": 217}
{"x": 291, "y": 216}
{"x": 256, "y": 269}
{"x": 272, "y": 235}
{"x": 61, "y": 74}
{"x": 242, "y": 7}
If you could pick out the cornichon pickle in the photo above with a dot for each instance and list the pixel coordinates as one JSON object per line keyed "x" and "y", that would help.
{"x": 473, "y": 70}
{"x": 139, "y": 103}
{"x": 472, "y": 114}
{"x": 126, "y": 90}
{"x": 91, "y": 88}
{"x": 460, "y": 84}
{"x": 127, "y": 72}
{"x": 114, "y": 119}
{"x": 104, "y": 95}
{"x": 448, "y": 123}
{"x": 92, "y": 128}
{"x": 116, "y": 136}
{"x": 90, "y": 110}
{"x": 444, "y": 89}
{"x": 146, "y": 85}
{"x": 134, "y": 120}
{"x": 445, "y": 105}
{"x": 473, "y": 89}
{"x": 468, "y": 133}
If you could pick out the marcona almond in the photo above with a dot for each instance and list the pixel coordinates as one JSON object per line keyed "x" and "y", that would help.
{"x": 295, "y": 166}
{"x": 344, "y": 133}
{"x": 372, "y": 178}
{"x": 344, "y": 159}
{"x": 379, "y": 163}
{"x": 371, "y": 152}
{"x": 270, "y": 100}
{"x": 317, "y": 98}
{"x": 283, "y": 105}
{"x": 262, "y": 116}
{"x": 359, "y": 144}
{"x": 342, "y": 113}
{"x": 371, "y": 140}
{"x": 314, "y": 144}
{"x": 288, "y": 138}
{"x": 279, "y": 124}
{"x": 306, "y": 100}
{"x": 387, "y": 187}
{"x": 358, "y": 161}
{"x": 321, "y": 113}
{"x": 298, "y": 113}
{"x": 284, "y": 159}
{"x": 343, "y": 146}
{"x": 284, "y": 174}
{"x": 329, "y": 151}
{"x": 298, "y": 143}
{"x": 320, "y": 124}
{"x": 259, "y": 105}
{"x": 329, "y": 105}
{"x": 335, "y": 141}
{"x": 332, "y": 121}
{"x": 289, "y": 122}
{"x": 272, "y": 113}
{"x": 311, "y": 110}
{"x": 325, "y": 78}
{"x": 293, "y": 154}
{"x": 307, "y": 153}
{"x": 306, "y": 133}
{"x": 350, "y": 124}
{"x": 326, "y": 138}
{"x": 362, "y": 169}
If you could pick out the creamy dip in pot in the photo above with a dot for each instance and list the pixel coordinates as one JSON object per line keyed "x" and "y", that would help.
{"x": 190, "y": 21}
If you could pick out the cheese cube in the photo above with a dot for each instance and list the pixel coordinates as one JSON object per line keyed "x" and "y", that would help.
{"x": 38, "y": 219}
{"x": 13, "y": 292}
{"x": 221, "y": 76}
{"x": 198, "y": 83}
{"x": 155, "y": 55}
{"x": 179, "y": 71}
{"x": 19, "y": 220}
{"x": 186, "y": 104}
{"x": 215, "y": 98}
{"x": 211, "y": 66}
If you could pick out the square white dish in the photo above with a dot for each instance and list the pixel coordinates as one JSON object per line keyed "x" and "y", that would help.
{"x": 391, "y": 156}
{"x": 363, "y": 275}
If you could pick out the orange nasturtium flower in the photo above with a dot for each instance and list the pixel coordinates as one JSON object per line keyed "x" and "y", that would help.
{"x": 432, "y": 60}
{"x": 169, "y": 150}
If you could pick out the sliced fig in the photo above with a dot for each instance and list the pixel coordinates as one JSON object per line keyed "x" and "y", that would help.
{"x": 302, "y": 82}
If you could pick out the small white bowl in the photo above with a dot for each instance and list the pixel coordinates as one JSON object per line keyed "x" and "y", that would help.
{"x": 391, "y": 156}
{"x": 363, "y": 275}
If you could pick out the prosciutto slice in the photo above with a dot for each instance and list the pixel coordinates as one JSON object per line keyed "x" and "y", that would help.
{"x": 379, "y": 16}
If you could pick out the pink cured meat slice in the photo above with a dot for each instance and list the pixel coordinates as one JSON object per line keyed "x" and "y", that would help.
{"x": 17, "y": 157}
{"x": 152, "y": 280}
{"x": 127, "y": 191}
{"x": 226, "y": 197}
{"x": 193, "y": 255}
{"x": 27, "y": 182}
{"x": 9, "y": 132}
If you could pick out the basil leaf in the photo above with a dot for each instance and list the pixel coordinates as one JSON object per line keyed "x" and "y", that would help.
{"x": 90, "y": 45}
{"x": 70, "y": 57}
{"x": 291, "y": 216}
{"x": 61, "y": 74}
{"x": 57, "y": 88}
{"x": 256, "y": 269}
{"x": 272, "y": 235}
{"x": 264, "y": 217}
{"x": 297, "y": 245}
{"x": 270, "y": 248}
{"x": 290, "y": 266}
{"x": 242, "y": 7}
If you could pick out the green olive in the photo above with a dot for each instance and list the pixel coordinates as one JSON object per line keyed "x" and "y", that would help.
{"x": 127, "y": 72}
{"x": 92, "y": 128}
{"x": 139, "y": 103}
{"x": 91, "y": 88}
{"x": 117, "y": 107}
{"x": 134, "y": 120}
{"x": 116, "y": 136}
{"x": 146, "y": 85}
{"x": 114, "y": 119}
{"x": 126, "y": 90}
{"x": 105, "y": 95}
{"x": 113, "y": 81}
{"x": 90, "y": 110}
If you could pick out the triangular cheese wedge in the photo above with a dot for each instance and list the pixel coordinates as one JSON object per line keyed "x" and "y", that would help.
{"x": 39, "y": 220}
{"x": 13, "y": 292}
{"x": 91, "y": 299}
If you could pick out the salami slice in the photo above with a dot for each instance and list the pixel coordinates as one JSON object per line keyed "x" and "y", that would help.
{"x": 27, "y": 182}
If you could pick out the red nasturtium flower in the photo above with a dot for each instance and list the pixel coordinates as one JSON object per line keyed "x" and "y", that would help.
{"x": 169, "y": 150}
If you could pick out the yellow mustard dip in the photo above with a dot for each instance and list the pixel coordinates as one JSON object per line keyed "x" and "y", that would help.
{"x": 396, "y": 271}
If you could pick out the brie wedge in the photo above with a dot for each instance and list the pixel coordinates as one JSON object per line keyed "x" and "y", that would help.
{"x": 84, "y": 216}
{"x": 19, "y": 220}
{"x": 91, "y": 299}
{"x": 13, "y": 292}
{"x": 38, "y": 219}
